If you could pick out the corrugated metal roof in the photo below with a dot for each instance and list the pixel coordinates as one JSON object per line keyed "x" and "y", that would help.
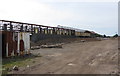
{"x": 78, "y": 30}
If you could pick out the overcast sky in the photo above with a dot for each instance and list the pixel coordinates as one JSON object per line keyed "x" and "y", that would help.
{"x": 100, "y": 16}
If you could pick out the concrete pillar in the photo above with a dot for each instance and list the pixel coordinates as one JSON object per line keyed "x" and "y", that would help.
{"x": 73, "y": 32}
{"x": 51, "y": 31}
{"x": 57, "y": 31}
{"x": 69, "y": 32}
{"x": 44, "y": 31}
{"x": 61, "y": 31}
{"x": 36, "y": 30}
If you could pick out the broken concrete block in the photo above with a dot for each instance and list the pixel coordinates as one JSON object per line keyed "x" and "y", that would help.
{"x": 82, "y": 40}
{"x": 28, "y": 66}
{"x": 52, "y": 46}
{"x": 15, "y": 68}
{"x": 35, "y": 47}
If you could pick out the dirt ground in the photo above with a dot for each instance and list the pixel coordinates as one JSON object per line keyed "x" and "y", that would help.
{"x": 96, "y": 57}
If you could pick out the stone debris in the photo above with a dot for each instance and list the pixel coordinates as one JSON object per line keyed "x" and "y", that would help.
{"x": 33, "y": 61}
{"x": 54, "y": 55}
{"x": 71, "y": 64}
{"x": 35, "y": 47}
{"x": 15, "y": 68}
{"x": 83, "y": 41}
{"x": 38, "y": 55}
{"x": 28, "y": 66}
{"x": 52, "y": 46}
{"x": 114, "y": 73}
{"x": 8, "y": 69}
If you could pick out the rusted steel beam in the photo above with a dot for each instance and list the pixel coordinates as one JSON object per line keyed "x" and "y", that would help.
{"x": 24, "y": 23}
{"x": 20, "y": 22}
{"x": 29, "y": 24}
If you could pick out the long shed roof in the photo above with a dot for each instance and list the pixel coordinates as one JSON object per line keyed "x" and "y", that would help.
{"x": 78, "y": 30}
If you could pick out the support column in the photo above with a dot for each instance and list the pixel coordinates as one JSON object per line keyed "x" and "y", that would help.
{"x": 21, "y": 28}
{"x": 25, "y": 28}
{"x": 32, "y": 29}
{"x": 47, "y": 30}
{"x": 11, "y": 27}
{"x": 53, "y": 30}
{"x": 62, "y": 32}
{"x": 5, "y": 27}
{"x": 40, "y": 29}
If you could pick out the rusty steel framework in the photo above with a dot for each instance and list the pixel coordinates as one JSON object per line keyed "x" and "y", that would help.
{"x": 14, "y": 26}
{"x": 16, "y": 36}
